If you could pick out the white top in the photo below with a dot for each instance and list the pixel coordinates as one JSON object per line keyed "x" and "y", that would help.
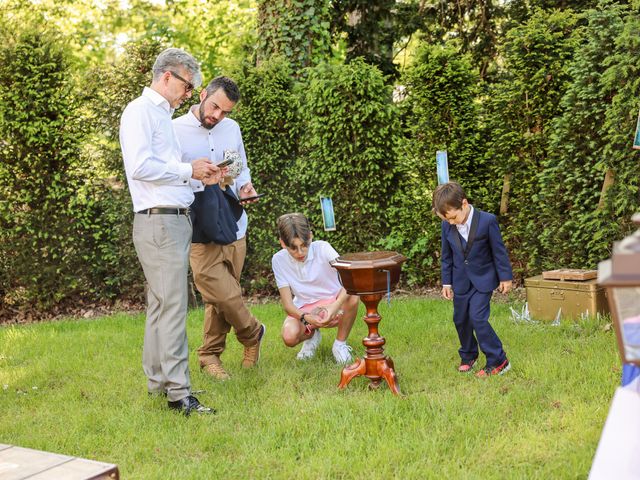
{"x": 465, "y": 228}
{"x": 198, "y": 141}
{"x": 151, "y": 154}
{"x": 312, "y": 280}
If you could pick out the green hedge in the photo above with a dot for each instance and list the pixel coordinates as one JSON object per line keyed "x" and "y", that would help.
{"x": 349, "y": 131}
{"x": 269, "y": 119}
{"x": 42, "y": 241}
{"x": 558, "y": 116}
{"x": 439, "y": 112}
{"x": 331, "y": 134}
{"x": 579, "y": 228}
{"x": 519, "y": 114}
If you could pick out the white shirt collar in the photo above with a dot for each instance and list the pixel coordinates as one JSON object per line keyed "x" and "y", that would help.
{"x": 157, "y": 99}
{"x": 191, "y": 117}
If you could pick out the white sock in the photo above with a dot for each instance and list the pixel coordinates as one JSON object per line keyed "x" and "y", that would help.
{"x": 338, "y": 343}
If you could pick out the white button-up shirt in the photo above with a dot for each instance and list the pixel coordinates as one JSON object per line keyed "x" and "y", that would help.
{"x": 151, "y": 154}
{"x": 197, "y": 141}
{"x": 465, "y": 228}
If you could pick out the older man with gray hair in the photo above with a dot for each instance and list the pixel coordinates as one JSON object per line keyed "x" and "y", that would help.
{"x": 160, "y": 187}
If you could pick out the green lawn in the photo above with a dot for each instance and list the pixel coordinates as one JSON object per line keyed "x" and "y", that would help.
{"x": 76, "y": 387}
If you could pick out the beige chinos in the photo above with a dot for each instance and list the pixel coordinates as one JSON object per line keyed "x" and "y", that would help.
{"x": 216, "y": 273}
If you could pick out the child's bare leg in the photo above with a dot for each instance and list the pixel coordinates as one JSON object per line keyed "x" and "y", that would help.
{"x": 293, "y": 332}
{"x": 350, "y": 308}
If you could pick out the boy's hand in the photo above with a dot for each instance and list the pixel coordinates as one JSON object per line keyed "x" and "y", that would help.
{"x": 447, "y": 292}
{"x": 318, "y": 321}
{"x": 505, "y": 286}
{"x": 329, "y": 315}
{"x": 331, "y": 310}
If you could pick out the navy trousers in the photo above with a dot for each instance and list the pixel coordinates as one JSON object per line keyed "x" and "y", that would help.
{"x": 471, "y": 314}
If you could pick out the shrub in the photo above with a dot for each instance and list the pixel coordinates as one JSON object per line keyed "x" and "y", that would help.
{"x": 268, "y": 117}
{"x": 347, "y": 152}
{"x": 578, "y": 228}
{"x": 439, "y": 113}
{"x": 41, "y": 242}
{"x": 519, "y": 113}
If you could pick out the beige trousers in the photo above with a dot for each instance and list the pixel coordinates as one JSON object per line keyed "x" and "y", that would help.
{"x": 216, "y": 273}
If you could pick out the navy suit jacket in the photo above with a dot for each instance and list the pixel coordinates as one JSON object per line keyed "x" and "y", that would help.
{"x": 214, "y": 213}
{"x": 486, "y": 262}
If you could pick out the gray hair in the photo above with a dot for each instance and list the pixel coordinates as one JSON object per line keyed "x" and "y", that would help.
{"x": 173, "y": 59}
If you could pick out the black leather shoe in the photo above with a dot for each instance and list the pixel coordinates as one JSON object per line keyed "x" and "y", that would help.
{"x": 190, "y": 404}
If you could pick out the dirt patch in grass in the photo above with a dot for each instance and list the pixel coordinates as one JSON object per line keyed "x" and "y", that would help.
{"x": 69, "y": 309}
{"x": 86, "y": 309}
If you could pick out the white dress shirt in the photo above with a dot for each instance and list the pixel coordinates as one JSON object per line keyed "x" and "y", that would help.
{"x": 151, "y": 154}
{"x": 465, "y": 228}
{"x": 312, "y": 280}
{"x": 198, "y": 141}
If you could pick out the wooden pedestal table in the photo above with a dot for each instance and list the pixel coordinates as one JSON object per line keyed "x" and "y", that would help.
{"x": 370, "y": 275}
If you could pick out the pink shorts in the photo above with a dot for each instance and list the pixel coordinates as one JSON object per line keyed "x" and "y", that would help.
{"x": 308, "y": 308}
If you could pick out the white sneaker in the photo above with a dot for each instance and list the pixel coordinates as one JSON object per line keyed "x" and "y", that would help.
{"x": 310, "y": 346}
{"x": 342, "y": 353}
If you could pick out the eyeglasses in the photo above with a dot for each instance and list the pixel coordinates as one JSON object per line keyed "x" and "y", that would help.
{"x": 299, "y": 249}
{"x": 188, "y": 85}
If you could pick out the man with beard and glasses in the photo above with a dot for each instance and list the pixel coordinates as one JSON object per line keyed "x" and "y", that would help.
{"x": 206, "y": 131}
{"x": 161, "y": 192}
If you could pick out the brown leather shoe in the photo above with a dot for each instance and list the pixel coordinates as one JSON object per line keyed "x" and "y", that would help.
{"x": 252, "y": 354}
{"x": 217, "y": 371}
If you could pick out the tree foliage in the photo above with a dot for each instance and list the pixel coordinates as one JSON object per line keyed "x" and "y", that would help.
{"x": 472, "y": 24}
{"x": 373, "y": 28}
{"x": 295, "y": 29}
{"x": 519, "y": 113}
{"x": 217, "y": 32}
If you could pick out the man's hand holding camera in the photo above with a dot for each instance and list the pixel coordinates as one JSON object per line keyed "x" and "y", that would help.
{"x": 205, "y": 171}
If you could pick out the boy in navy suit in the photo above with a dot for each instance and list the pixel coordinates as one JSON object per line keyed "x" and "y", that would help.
{"x": 474, "y": 263}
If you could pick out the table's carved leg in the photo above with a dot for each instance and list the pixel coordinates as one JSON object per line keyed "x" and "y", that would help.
{"x": 390, "y": 363}
{"x": 348, "y": 373}
{"x": 388, "y": 373}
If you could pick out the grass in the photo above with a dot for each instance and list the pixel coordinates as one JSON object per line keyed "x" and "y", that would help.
{"x": 76, "y": 387}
